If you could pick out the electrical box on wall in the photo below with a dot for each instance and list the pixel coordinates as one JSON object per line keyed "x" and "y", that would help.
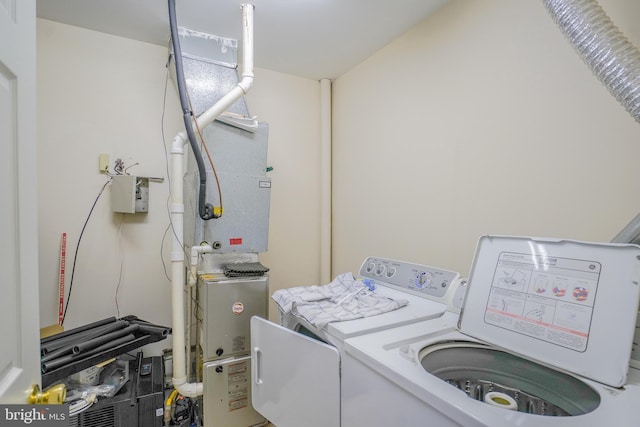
{"x": 129, "y": 194}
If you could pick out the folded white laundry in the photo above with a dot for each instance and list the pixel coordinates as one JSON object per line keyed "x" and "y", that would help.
{"x": 345, "y": 298}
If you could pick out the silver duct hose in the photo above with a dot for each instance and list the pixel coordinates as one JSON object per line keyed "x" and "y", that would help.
{"x": 630, "y": 233}
{"x": 612, "y": 58}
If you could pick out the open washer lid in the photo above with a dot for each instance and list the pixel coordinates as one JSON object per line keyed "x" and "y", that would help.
{"x": 565, "y": 303}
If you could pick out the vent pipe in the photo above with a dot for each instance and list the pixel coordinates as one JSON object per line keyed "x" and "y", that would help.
{"x": 611, "y": 57}
{"x": 325, "y": 181}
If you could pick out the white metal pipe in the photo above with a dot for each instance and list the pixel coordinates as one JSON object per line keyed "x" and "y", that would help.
{"x": 196, "y": 251}
{"x": 325, "y": 181}
{"x": 187, "y": 328}
{"x": 247, "y": 44}
{"x": 178, "y": 273}
{"x": 177, "y": 211}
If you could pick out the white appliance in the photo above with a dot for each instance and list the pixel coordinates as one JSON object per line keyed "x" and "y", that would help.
{"x": 296, "y": 373}
{"x": 544, "y": 338}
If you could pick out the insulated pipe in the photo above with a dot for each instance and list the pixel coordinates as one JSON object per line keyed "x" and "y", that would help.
{"x": 79, "y": 329}
{"x": 177, "y": 210}
{"x": 149, "y": 329}
{"x": 612, "y": 58}
{"x": 57, "y": 353}
{"x": 205, "y": 210}
{"x": 55, "y": 349}
{"x": 61, "y": 361}
{"x": 83, "y": 335}
{"x": 325, "y": 181}
{"x": 98, "y": 341}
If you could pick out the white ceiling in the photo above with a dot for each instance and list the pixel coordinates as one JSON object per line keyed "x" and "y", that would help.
{"x": 308, "y": 38}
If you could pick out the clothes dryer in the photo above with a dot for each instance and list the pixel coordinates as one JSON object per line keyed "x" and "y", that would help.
{"x": 297, "y": 364}
{"x": 544, "y": 338}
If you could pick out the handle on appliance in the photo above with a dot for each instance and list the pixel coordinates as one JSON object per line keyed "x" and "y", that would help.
{"x": 257, "y": 364}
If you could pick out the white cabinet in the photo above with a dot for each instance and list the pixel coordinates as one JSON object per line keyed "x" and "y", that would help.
{"x": 295, "y": 379}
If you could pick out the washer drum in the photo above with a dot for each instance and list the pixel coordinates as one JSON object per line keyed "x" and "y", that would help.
{"x": 503, "y": 379}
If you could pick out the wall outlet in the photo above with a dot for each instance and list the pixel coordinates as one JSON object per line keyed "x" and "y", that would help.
{"x": 103, "y": 163}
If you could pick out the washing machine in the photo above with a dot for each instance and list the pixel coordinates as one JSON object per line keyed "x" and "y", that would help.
{"x": 297, "y": 364}
{"x": 542, "y": 334}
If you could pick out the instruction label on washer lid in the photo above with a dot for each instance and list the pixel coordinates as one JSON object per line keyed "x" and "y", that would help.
{"x": 562, "y": 303}
{"x": 547, "y": 298}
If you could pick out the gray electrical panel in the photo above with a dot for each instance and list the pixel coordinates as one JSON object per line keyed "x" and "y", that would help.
{"x": 129, "y": 194}
{"x": 240, "y": 160}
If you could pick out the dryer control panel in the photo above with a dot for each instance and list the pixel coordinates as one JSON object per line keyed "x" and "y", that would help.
{"x": 423, "y": 280}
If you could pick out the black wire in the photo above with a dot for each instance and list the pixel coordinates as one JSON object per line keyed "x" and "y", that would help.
{"x": 75, "y": 256}
{"x": 164, "y": 137}
{"x": 164, "y": 265}
{"x": 166, "y": 162}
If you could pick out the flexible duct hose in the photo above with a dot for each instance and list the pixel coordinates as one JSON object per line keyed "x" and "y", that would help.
{"x": 612, "y": 58}
{"x": 204, "y": 209}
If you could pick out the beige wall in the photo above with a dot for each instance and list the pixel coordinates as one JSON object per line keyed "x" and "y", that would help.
{"x": 480, "y": 120}
{"x": 291, "y": 106}
{"x": 103, "y": 94}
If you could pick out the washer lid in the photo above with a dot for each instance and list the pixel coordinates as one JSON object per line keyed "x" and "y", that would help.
{"x": 568, "y": 304}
